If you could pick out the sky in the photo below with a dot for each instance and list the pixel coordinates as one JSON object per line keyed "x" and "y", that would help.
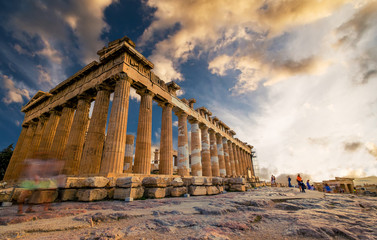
{"x": 296, "y": 79}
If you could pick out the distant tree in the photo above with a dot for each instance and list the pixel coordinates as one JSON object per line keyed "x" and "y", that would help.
{"x": 5, "y": 156}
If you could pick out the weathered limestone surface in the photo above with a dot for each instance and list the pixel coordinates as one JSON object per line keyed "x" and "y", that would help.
{"x": 236, "y": 160}
{"x": 90, "y": 182}
{"x": 115, "y": 143}
{"x": 16, "y": 154}
{"x": 92, "y": 153}
{"x": 68, "y": 194}
{"x": 129, "y": 155}
{"x": 177, "y": 182}
{"x": 62, "y": 131}
{"x": 123, "y": 193}
{"x": 178, "y": 191}
{"x": 49, "y": 131}
{"x": 154, "y": 192}
{"x": 237, "y": 188}
{"x": 88, "y": 195}
{"x": 73, "y": 150}
{"x": 231, "y": 159}
{"x": 220, "y": 153}
{"x": 196, "y": 159}
{"x": 217, "y": 181}
{"x": 197, "y": 190}
{"x": 127, "y": 182}
{"x": 212, "y": 190}
{"x": 37, "y": 137}
{"x": 226, "y": 157}
{"x": 166, "y": 141}
{"x": 144, "y": 134}
{"x": 214, "y": 157}
{"x": 183, "y": 155}
{"x": 156, "y": 182}
{"x": 206, "y": 156}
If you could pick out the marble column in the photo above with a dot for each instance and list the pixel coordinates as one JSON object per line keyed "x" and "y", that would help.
{"x": 214, "y": 156}
{"x": 37, "y": 137}
{"x": 231, "y": 159}
{"x": 18, "y": 168}
{"x": 129, "y": 155}
{"x": 183, "y": 153}
{"x": 95, "y": 138}
{"x": 236, "y": 161}
{"x": 16, "y": 154}
{"x": 228, "y": 167}
{"x": 115, "y": 143}
{"x": 49, "y": 131}
{"x": 206, "y": 156}
{"x": 166, "y": 140}
{"x": 245, "y": 161}
{"x": 240, "y": 161}
{"x": 73, "y": 151}
{"x": 220, "y": 154}
{"x": 62, "y": 131}
{"x": 143, "y": 150}
{"x": 196, "y": 159}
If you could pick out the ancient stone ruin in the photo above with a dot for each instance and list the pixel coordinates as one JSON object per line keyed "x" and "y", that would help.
{"x": 57, "y": 122}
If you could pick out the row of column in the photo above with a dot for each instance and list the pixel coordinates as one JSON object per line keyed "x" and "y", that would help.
{"x": 87, "y": 150}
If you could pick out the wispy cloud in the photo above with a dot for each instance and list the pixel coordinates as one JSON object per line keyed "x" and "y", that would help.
{"x": 13, "y": 93}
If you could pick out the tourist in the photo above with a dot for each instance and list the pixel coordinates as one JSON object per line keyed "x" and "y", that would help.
{"x": 308, "y": 185}
{"x": 273, "y": 181}
{"x": 327, "y": 188}
{"x": 289, "y": 182}
{"x": 300, "y": 183}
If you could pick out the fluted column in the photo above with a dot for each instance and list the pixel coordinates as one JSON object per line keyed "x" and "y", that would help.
{"x": 231, "y": 159}
{"x": 245, "y": 161}
{"x": 16, "y": 154}
{"x": 62, "y": 131}
{"x": 214, "y": 156}
{"x": 73, "y": 151}
{"x": 166, "y": 141}
{"x": 115, "y": 143}
{"x": 196, "y": 159}
{"x": 129, "y": 155}
{"x": 144, "y": 134}
{"x": 183, "y": 153}
{"x": 240, "y": 160}
{"x": 49, "y": 131}
{"x": 25, "y": 146}
{"x": 220, "y": 154}
{"x": 206, "y": 157}
{"x": 236, "y": 161}
{"x": 34, "y": 145}
{"x": 228, "y": 167}
{"x": 95, "y": 138}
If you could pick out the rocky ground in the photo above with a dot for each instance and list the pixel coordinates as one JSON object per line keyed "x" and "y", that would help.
{"x": 266, "y": 213}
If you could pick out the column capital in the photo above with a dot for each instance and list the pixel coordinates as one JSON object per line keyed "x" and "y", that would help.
{"x": 144, "y": 91}
{"x": 105, "y": 87}
{"x": 68, "y": 104}
{"x": 203, "y": 126}
{"x": 165, "y": 104}
{"x": 180, "y": 112}
{"x": 85, "y": 96}
{"x": 121, "y": 77}
{"x": 192, "y": 120}
{"x": 211, "y": 130}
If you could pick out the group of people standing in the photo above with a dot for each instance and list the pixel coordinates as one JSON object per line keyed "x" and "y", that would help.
{"x": 300, "y": 183}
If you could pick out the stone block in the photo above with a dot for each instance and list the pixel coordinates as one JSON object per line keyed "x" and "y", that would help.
{"x": 178, "y": 191}
{"x": 110, "y": 192}
{"x": 226, "y": 181}
{"x": 96, "y": 182}
{"x": 177, "y": 182}
{"x": 128, "y": 182}
{"x": 74, "y": 182}
{"x": 123, "y": 193}
{"x": 221, "y": 188}
{"x": 197, "y": 190}
{"x": 112, "y": 182}
{"x": 207, "y": 181}
{"x": 154, "y": 192}
{"x": 43, "y": 196}
{"x": 212, "y": 190}
{"x": 68, "y": 194}
{"x": 88, "y": 195}
{"x": 154, "y": 182}
{"x": 237, "y": 180}
{"x": 168, "y": 191}
{"x": 217, "y": 181}
{"x": 5, "y": 194}
{"x": 226, "y": 187}
{"x": 186, "y": 181}
{"x": 237, "y": 188}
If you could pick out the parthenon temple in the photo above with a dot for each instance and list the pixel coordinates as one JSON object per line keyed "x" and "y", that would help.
{"x": 58, "y": 122}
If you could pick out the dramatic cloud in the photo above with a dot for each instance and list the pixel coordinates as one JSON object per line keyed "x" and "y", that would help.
{"x": 13, "y": 93}
{"x": 234, "y": 36}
